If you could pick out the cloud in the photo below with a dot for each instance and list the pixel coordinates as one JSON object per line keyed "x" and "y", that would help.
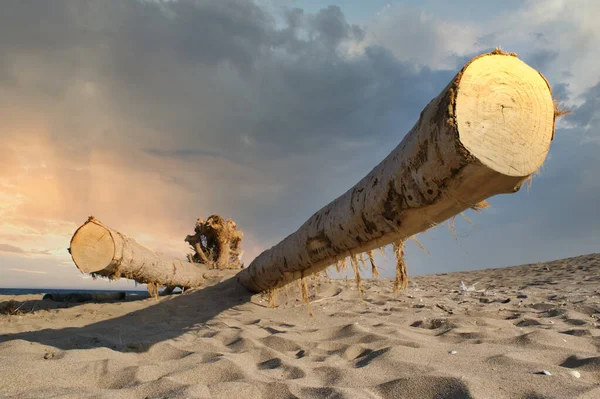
{"x": 155, "y": 118}
{"x": 418, "y": 37}
{"x": 11, "y": 248}
{"x": 17, "y": 250}
{"x": 559, "y": 39}
{"x": 551, "y": 35}
{"x": 587, "y": 115}
{"x": 184, "y": 153}
{"x": 27, "y": 271}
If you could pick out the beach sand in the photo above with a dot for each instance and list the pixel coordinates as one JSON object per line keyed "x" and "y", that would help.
{"x": 529, "y": 331}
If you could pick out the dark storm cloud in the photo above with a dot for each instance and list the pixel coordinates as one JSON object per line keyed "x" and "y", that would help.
{"x": 297, "y": 102}
{"x": 193, "y": 31}
{"x": 489, "y": 40}
{"x": 217, "y": 70}
{"x": 561, "y": 92}
{"x": 182, "y": 153}
{"x": 541, "y": 59}
{"x": 587, "y": 115}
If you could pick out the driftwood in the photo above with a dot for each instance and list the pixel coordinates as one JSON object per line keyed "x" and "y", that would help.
{"x": 102, "y": 251}
{"x": 486, "y": 133}
{"x": 77, "y": 297}
{"x": 217, "y": 243}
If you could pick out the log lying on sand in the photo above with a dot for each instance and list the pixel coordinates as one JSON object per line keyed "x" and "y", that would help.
{"x": 485, "y": 134}
{"x": 77, "y": 297}
{"x": 100, "y": 250}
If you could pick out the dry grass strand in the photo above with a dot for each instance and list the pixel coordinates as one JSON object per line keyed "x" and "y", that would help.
{"x": 414, "y": 238}
{"x": 338, "y": 266}
{"x": 344, "y": 264}
{"x": 304, "y": 291}
{"x": 480, "y": 206}
{"x": 560, "y": 110}
{"x": 466, "y": 218}
{"x": 361, "y": 257}
{"x": 374, "y": 271}
{"x": 499, "y": 50}
{"x": 153, "y": 289}
{"x": 452, "y": 226}
{"x": 356, "y": 268}
{"x": 401, "y": 280}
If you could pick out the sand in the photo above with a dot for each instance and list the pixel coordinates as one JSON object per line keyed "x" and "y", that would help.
{"x": 529, "y": 331}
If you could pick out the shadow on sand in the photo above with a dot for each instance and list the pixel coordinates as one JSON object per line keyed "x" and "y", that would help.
{"x": 137, "y": 331}
{"x": 17, "y": 307}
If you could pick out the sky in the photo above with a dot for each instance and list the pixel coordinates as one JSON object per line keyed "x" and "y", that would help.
{"x": 150, "y": 114}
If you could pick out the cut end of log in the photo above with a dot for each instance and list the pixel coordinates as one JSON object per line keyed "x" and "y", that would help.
{"x": 92, "y": 247}
{"x": 498, "y": 98}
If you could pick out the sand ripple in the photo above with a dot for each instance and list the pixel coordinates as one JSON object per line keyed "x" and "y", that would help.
{"x": 431, "y": 341}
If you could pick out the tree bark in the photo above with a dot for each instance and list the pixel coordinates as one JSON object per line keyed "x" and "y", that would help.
{"x": 485, "y": 134}
{"x": 100, "y": 250}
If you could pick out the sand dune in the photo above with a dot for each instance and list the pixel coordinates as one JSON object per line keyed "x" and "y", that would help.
{"x": 530, "y": 331}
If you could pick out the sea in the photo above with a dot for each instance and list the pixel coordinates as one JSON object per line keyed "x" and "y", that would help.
{"x": 43, "y": 291}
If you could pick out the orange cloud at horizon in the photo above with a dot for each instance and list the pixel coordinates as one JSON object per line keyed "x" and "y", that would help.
{"x": 48, "y": 188}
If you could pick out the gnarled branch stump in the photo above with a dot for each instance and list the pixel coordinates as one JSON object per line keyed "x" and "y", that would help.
{"x": 217, "y": 243}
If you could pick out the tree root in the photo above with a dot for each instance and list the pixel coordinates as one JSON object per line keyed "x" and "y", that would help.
{"x": 217, "y": 243}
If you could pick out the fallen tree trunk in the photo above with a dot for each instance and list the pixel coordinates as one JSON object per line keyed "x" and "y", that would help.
{"x": 100, "y": 250}
{"x": 485, "y": 134}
